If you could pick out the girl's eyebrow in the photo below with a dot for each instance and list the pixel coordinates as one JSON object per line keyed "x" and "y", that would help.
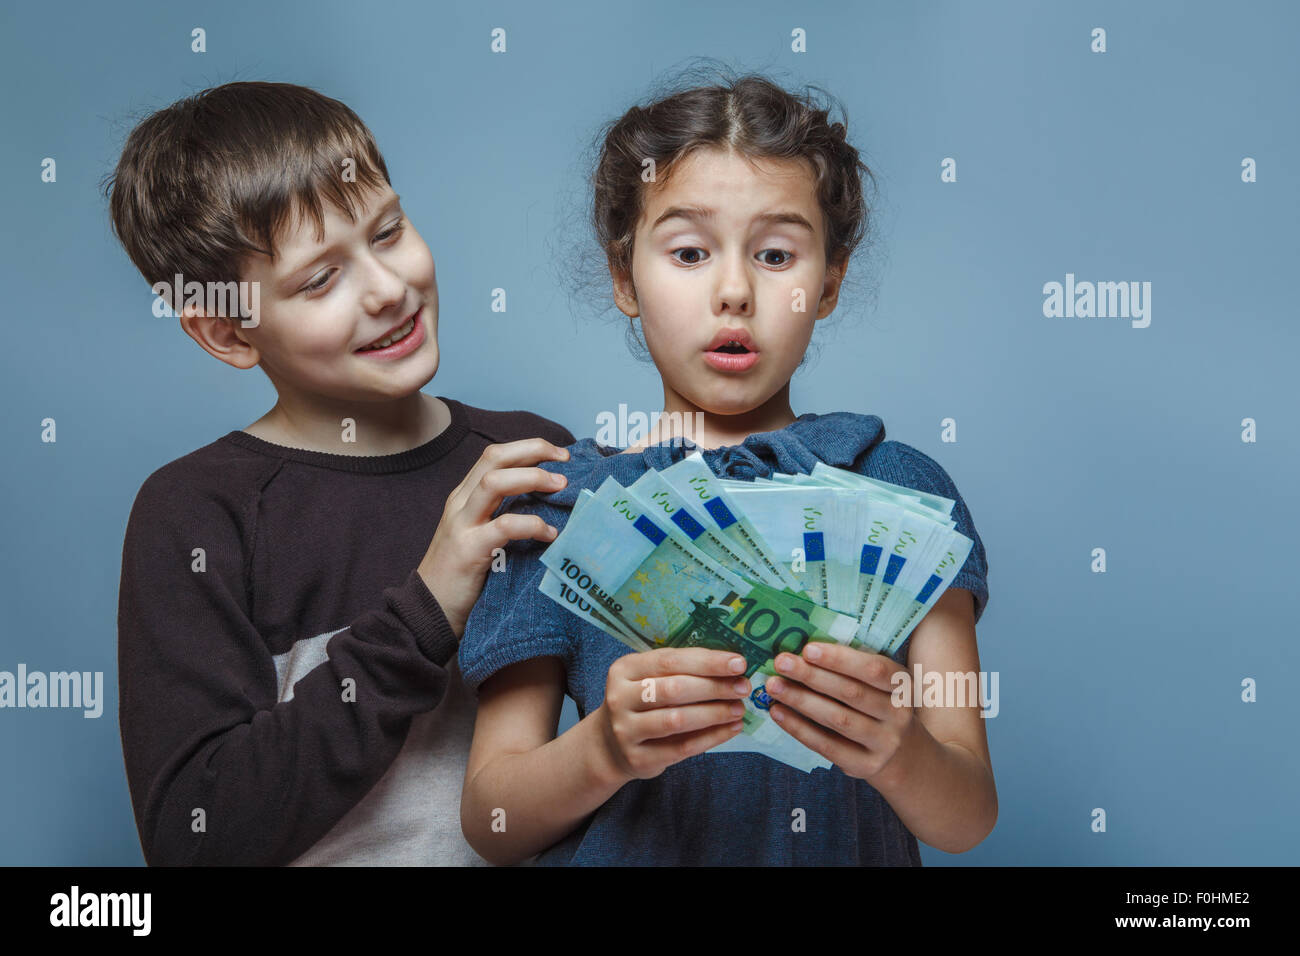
{"x": 786, "y": 218}
{"x": 690, "y": 213}
{"x": 694, "y": 213}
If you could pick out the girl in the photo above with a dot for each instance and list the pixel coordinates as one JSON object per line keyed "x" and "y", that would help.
{"x": 752, "y": 208}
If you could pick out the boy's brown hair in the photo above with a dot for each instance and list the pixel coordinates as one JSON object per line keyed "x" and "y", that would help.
{"x": 215, "y": 177}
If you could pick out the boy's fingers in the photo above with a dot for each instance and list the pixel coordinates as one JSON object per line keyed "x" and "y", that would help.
{"x": 677, "y": 689}
{"x": 512, "y": 454}
{"x": 494, "y": 486}
{"x": 672, "y": 721}
{"x": 701, "y": 661}
{"x": 516, "y": 527}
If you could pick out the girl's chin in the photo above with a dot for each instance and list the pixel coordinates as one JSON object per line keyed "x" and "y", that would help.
{"x": 730, "y": 406}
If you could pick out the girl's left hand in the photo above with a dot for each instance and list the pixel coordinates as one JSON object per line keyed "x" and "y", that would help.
{"x": 838, "y": 701}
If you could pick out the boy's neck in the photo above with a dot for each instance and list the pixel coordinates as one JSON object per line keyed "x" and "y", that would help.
{"x": 380, "y": 428}
{"x": 709, "y": 430}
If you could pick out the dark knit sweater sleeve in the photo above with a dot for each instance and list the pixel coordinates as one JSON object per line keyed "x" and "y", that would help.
{"x": 220, "y": 770}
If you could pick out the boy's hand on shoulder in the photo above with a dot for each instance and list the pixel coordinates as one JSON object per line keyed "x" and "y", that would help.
{"x": 839, "y": 701}
{"x": 460, "y": 554}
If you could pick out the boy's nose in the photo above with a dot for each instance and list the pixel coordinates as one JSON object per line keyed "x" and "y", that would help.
{"x": 385, "y": 290}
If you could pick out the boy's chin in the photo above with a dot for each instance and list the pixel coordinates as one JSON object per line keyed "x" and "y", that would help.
{"x": 428, "y": 357}
{"x": 403, "y": 387}
{"x": 436, "y": 360}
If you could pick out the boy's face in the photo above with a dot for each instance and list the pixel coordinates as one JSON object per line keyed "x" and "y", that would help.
{"x": 322, "y": 303}
{"x": 729, "y": 247}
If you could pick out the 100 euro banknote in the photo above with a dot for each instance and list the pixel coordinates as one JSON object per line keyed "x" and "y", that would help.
{"x": 685, "y": 558}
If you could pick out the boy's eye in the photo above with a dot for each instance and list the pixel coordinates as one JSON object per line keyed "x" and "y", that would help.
{"x": 786, "y": 257}
{"x": 696, "y": 255}
{"x": 384, "y": 236}
{"x": 393, "y": 231}
{"x": 319, "y": 283}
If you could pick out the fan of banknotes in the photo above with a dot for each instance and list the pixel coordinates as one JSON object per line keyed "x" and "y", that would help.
{"x": 683, "y": 558}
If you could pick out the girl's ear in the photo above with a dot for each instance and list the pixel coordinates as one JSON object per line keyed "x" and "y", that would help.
{"x": 831, "y": 286}
{"x": 624, "y": 293}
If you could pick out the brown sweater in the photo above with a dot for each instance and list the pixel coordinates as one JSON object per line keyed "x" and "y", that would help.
{"x": 268, "y": 683}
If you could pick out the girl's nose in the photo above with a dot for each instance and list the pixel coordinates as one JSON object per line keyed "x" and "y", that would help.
{"x": 734, "y": 293}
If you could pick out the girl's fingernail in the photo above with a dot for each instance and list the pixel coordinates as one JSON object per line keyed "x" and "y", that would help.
{"x": 774, "y": 686}
{"x": 777, "y": 715}
{"x": 550, "y": 530}
{"x": 812, "y": 652}
{"x": 737, "y": 709}
{"x": 784, "y": 664}
{"x": 741, "y": 686}
{"x": 737, "y": 665}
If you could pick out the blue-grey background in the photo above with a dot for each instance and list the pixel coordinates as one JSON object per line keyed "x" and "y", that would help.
{"x": 1118, "y": 690}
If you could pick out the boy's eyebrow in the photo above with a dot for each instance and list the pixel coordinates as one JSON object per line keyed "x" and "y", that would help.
{"x": 693, "y": 213}
{"x": 384, "y": 210}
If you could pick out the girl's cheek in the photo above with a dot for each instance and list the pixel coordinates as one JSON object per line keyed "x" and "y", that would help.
{"x": 673, "y": 336}
{"x": 803, "y": 293}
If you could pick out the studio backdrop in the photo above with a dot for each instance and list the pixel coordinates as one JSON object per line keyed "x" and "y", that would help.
{"x": 1078, "y": 297}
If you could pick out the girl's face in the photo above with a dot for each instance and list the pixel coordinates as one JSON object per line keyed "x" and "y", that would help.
{"x": 729, "y": 275}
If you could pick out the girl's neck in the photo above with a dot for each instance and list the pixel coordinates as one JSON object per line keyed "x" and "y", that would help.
{"x": 681, "y": 418}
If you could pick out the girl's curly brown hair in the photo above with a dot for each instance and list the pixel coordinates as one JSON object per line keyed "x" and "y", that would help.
{"x": 749, "y": 114}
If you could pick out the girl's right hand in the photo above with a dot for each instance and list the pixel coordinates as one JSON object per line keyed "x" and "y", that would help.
{"x": 668, "y": 704}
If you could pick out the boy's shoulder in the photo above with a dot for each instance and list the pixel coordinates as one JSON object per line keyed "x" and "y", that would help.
{"x": 504, "y": 426}
{"x": 226, "y": 475}
{"x": 221, "y": 472}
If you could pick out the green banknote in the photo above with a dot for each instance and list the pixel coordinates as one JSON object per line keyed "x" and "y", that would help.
{"x": 645, "y": 576}
{"x": 651, "y": 579}
{"x": 700, "y": 486}
{"x": 684, "y": 558}
{"x": 666, "y": 503}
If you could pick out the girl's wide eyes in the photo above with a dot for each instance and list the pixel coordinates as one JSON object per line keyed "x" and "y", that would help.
{"x": 389, "y": 233}
{"x": 698, "y": 255}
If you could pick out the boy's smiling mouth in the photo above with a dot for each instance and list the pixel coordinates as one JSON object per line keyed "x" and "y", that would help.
{"x": 732, "y": 350}
{"x": 405, "y": 338}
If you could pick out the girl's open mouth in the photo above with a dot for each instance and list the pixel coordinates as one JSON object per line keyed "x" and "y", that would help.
{"x": 731, "y": 353}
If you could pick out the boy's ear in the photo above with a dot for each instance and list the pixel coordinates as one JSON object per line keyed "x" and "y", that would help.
{"x": 831, "y": 286}
{"x": 220, "y": 337}
{"x": 624, "y": 293}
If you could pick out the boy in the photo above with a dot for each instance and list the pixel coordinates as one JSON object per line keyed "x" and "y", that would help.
{"x": 288, "y": 616}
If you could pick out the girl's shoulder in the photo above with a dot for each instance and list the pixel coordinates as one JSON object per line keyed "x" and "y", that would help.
{"x": 902, "y": 464}
{"x": 588, "y": 465}
{"x": 847, "y": 440}
{"x": 842, "y": 439}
